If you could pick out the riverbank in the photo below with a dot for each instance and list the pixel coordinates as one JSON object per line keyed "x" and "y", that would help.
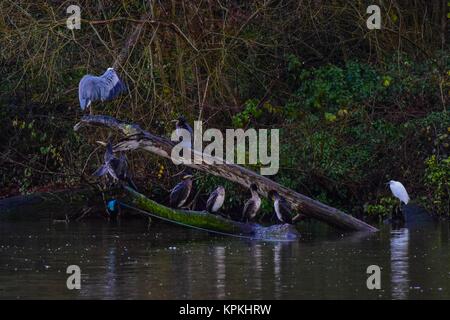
{"x": 355, "y": 107}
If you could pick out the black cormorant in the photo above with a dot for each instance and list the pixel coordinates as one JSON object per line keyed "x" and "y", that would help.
{"x": 181, "y": 123}
{"x": 252, "y": 205}
{"x": 180, "y": 193}
{"x": 281, "y": 206}
{"x": 116, "y": 168}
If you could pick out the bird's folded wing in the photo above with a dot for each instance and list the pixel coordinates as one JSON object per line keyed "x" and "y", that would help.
{"x": 111, "y": 86}
{"x": 178, "y": 193}
{"x": 248, "y": 207}
{"x": 100, "y": 171}
{"x": 211, "y": 200}
{"x": 284, "y": 206}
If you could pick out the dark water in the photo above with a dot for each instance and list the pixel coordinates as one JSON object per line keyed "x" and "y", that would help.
{"x": 127, "y": 260}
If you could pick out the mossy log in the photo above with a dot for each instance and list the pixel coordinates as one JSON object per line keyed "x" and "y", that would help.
{"x": 211, "y": 222}
{"x": 49, "y": 205}
{"x": 137, "y": 138}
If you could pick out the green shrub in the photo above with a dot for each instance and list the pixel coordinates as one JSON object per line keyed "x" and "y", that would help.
{"x": 381, "y": 209}
{"x": 437, "y": 181}
{"x": 342, "y": 141}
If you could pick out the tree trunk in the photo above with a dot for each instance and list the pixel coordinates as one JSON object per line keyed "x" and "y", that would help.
{"x": 136, "y": 138}
{"x": 211, "y": 222}
{"x": 49, "y": 205}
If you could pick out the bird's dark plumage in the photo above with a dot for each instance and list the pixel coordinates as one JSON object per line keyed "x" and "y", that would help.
{"x": 115, "y": 167}
{"x": 182, "y": 124}
{"x": 252, "y": 205}
{"x": 282, "y": 208}
{"x": 284, "y": 212}
{"x": 180, "y": 193}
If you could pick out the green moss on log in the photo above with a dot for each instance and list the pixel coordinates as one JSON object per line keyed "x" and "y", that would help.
{"x": 200, "y": 219}
{"x": 205, "y": 220}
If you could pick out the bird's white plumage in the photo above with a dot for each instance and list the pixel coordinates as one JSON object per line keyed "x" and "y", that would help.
{"x": 399, "y": 191}
{"x": 276, "y": 205}
{"x": 219, "y": 202}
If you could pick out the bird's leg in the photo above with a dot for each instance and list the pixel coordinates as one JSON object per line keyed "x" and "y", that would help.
{"x": 89, "y": 105}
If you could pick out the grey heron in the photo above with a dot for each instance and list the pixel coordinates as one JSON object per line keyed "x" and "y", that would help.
{"x": 215, "y": 200}
{"x": 281, "y": 206}
{"x": 104, "y": 88}
{"x": 180, "y": 193}
{"x": 252, "y": 205}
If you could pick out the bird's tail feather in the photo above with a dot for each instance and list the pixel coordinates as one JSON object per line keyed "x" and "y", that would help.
{"x": 100, "y": 171}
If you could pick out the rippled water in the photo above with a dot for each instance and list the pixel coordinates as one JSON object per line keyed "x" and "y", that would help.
{"x": 129, "y": 260}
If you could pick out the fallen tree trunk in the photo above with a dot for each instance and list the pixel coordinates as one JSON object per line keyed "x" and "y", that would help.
{"x": 49, "y": 205}
{"x": 137, "y": 138}
{"x": 211, "y": 222}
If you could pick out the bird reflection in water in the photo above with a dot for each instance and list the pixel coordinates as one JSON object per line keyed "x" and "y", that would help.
{"x": 257, "y": 258}
{"x": 399, "y": 263}
{"x": 219, "y": 257}
{"x": 277, "y": 269}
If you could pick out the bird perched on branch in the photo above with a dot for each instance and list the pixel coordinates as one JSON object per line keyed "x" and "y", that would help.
{"x": 399, "y": 191}
{"x": 252, "y": 205}
{"x": 181, "y": 124}
{"x": 281, "y": 206}
{"x": 180, "y": 193}
{"x": 116, "y": 168}
{"x": 215, "y": 200}
{"x": 104, "y": 88}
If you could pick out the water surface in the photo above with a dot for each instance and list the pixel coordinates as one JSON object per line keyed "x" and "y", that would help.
{"x": 129, "y": 260}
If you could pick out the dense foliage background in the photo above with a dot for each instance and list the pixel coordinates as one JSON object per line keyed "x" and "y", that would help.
{"x": 356, "y": 107}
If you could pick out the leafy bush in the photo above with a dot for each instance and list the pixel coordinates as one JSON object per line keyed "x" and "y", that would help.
{"x": 437, "y": 181}
{"x": 343, "y": 141}
{"x": 382, "y": 208}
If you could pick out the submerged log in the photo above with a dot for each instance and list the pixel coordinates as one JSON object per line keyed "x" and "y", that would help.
{"x": 211, "y": 222}
{"x": 56, "y": 205}
{"x": 137, "y": 138}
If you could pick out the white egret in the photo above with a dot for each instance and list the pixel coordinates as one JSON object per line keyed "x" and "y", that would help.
{"x": 399, "y": 191}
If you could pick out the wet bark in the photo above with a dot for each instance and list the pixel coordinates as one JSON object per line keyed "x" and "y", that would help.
{"x": 57, "y": 205}
{"x": 211, "y": 222}
{"x": 137, "y": 138}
